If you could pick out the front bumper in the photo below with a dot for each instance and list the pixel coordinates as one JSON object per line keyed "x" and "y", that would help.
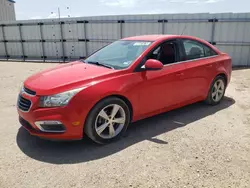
{"x": 33, "y": 131}
{"x": 70, "y": 118}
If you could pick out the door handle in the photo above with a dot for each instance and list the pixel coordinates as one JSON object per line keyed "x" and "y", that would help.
{"x": 180, "y": 74}
{"x": 209, "y": 66}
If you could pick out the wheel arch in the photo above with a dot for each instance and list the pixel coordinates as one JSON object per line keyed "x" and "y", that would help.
{"x": 122, "y": 97}
{"x": 221, "y": 71}
{"x": 126, "y": 100}
{"x": 224, "y": 76}
{"x": 208, "y": 99}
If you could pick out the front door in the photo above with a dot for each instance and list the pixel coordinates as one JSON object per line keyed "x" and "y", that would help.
{"x": 163, "y": 88}
{"x": 160, "y": 89}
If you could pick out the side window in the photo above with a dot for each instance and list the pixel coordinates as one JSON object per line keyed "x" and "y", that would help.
{"x": 193, "y": 49}
{"x": 166, "y": 53}
{"x": 209, "y": 51}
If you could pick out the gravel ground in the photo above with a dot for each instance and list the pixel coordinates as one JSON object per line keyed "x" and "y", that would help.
{"x": 195, "y": 146}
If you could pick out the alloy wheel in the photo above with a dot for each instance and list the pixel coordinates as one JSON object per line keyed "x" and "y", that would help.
{"x": 110, "y": 121}
{"x": 218, "y": 90}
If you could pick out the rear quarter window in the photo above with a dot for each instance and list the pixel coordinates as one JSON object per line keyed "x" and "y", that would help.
{"x": 195, "y": 50}
{"x": 209, "y": 51}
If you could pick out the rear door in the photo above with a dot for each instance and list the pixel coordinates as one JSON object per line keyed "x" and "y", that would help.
{"x": 200, "y": 67}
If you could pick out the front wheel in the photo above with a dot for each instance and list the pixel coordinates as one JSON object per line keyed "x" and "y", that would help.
{"x": 217, "y": 91}
{"x": 108, "y": 120}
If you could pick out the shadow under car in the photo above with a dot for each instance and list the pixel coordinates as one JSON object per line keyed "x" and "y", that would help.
{"x": 86, "y": 150}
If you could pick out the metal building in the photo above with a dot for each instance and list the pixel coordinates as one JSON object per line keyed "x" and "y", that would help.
{"x": 7, "y": 10}
{"x": 67, "y": 39}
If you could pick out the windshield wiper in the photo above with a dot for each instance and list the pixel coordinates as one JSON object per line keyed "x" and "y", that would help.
{"x": 99, "y": 64}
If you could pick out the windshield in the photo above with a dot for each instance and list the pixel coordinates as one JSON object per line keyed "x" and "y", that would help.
{"x": 118, "y": 55}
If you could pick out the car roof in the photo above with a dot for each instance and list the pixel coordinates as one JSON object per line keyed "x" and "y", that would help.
{"x": 149, "y": 37}
{"x": 158, "y": 37}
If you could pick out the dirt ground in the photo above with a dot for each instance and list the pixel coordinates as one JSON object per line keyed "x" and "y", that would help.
{"x": 195, "y": 146}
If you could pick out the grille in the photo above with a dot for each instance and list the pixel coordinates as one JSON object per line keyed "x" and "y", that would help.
{"x": 30, "y": 92}
{"x": 23, "y": 104}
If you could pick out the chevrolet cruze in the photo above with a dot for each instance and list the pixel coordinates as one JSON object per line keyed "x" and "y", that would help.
{"x": 128, "y": 80}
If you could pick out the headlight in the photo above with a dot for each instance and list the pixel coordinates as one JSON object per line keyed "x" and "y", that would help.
{"x": 21, "y": 87}
{"x": 60, "y": 99}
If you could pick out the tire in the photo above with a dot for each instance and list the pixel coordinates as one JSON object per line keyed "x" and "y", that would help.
{"x": 212, "y": 97}
{"x": 99, "y": 123}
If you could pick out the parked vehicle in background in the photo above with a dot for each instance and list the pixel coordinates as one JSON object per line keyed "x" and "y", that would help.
{"x": 128, "y": 80}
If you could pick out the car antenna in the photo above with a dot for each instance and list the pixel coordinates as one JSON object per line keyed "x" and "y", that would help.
{"x": 184, "y": 29}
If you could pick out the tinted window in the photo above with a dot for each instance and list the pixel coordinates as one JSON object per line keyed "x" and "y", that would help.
{"x": 193, "y": 49}
{"x": 209, "y": 51}
{"x": 166, "y": 53}
{"x": 196, "y": 50}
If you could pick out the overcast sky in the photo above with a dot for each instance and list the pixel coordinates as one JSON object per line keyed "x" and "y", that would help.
{"x": 30, "y": 9}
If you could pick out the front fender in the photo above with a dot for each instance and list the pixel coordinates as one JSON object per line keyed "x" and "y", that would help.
{"x": 124, "y": 86}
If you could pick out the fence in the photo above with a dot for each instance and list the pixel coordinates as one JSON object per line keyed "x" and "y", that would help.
{"x": 73, "y": 38}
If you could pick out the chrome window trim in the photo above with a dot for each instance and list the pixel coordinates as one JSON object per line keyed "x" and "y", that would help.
{"x": 190, "y": 60}
{"x": 143, "y": 66}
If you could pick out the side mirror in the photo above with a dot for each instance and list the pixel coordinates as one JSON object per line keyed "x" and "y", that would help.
{"x": 153, "y": 64}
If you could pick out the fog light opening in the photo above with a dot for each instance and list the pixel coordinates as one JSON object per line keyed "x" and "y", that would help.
{"x": 50, "y": 126}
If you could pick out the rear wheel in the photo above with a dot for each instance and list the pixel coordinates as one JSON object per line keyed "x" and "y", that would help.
{"x": 108, "y": 120}
{"x": 217, "y": 91}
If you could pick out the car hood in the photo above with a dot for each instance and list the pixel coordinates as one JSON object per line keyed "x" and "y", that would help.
{"x": 65, "y": 77}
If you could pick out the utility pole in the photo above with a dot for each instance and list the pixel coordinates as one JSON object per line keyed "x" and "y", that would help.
{"x": 59, "y": 13}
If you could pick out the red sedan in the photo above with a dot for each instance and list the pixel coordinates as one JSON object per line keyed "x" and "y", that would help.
{"x": 126, "y": 81}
